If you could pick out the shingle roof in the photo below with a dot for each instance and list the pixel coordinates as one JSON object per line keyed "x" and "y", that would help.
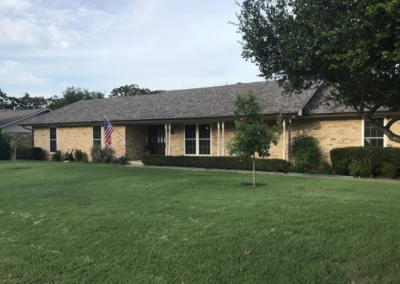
{"x": 179, "y": 104}
{"x": 9, "y": 116}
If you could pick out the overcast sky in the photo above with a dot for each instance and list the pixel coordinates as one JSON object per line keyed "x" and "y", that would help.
{"x": 47, "y": 45}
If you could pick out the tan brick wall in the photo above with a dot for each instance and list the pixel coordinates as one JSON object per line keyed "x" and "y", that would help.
{"x": 177, "y": 139}
{"x": 396, "y": 130}
{"x": 135, "y": 141}
{"x": 81, "y": 137}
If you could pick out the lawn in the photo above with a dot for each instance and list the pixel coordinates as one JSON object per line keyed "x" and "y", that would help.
{"x": 93, "y": 223}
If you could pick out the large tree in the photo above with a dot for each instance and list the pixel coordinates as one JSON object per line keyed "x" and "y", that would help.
{"x": 352, "y": 46}
{"x": 72, "y": 95}
{"x": 132, "y": 90}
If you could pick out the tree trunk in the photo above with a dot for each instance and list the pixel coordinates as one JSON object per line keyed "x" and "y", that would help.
{"x": 15, "y": 156}
{"x": 386, "y": 130}
{"x": 254, "y": 170}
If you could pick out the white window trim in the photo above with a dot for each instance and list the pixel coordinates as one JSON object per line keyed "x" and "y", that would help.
{"x": 53, "y": 139}
{"x": 101, "y": 135}
{"x": 197, "y": 140}
{"x": 362, "y": 131}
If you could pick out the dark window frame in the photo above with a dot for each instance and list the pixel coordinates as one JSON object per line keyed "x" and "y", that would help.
{"x": 373, "y": 137}
{"x": 96, "y": 136}
{"x": 52, "y": 138}
{"x": 201, "y": 147}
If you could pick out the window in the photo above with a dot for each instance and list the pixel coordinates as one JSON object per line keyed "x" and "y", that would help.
{"x": 197, "y": 139}
{"x": 53, "y": 140}
{"x": 372, "y": 136}
{"x": 96, "y": 136}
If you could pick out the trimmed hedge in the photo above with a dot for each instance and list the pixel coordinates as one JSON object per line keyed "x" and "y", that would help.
{"x": 229, "y": 163}
{"x": 30, "y": 153}
{"x": 342, "y": 157}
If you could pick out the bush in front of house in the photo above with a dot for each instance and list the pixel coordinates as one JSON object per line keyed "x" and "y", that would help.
{"x": 5, "y": 149}
{"x": 30, "y": 153}
{"x": 305, "y": 153}
{"x": 229, "y": 163}
{"x": 101, "y": 155}
{"x": 121, "y": 160}
{"x": 360, "y": 168}
{"x": 56, "y": 157}
{"x": 342, "y": 158}
{"x": 78, "y": 156}
{"x": 390, "y": 170}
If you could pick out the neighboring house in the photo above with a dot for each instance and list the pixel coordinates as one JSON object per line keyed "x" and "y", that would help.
{"x": 200, "y": 122}
{"x": 10, "y": 120}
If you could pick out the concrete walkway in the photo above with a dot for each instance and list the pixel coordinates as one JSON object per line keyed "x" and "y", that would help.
{"x": 135, "y": 163}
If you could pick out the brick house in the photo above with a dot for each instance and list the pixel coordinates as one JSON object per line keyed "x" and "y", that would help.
{"x": 10, "y": 120}
{"x": 200, "y": 122}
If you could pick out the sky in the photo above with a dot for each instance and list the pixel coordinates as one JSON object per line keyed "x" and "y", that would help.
{"x": 47, "y": 45}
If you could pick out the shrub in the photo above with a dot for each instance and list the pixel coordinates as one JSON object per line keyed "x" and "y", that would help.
{"x": 305, "y": 152}
{"x": 5, "y": 149}
{"x": 101, "y": 155}
{"x": 121, "y": 160}
{"x": 341, "y": 166}
{"x": 326, "y": 168}
{"x": 30, "y": 153}
{"x": 377, "y": 156}
{"x": 78, "y": 155}
{"x": 390, "y": 170}
{"x": 361, "y": 168}
{"x": 235, "y": 163}
{"x": 56, "y": 157}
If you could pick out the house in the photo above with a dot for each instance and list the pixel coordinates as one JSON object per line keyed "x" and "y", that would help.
{"x": 10, "y": 120}
{"x": 200, "y": 122}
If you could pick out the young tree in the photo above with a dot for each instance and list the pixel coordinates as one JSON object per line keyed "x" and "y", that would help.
{"x": 15, "y": 142}
{"x": 252, "y": 136}
{"x": 352, "y": 46}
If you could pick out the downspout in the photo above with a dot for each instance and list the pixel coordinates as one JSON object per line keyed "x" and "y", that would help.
{"x": 166, "y": 139}
{"x": 31, "y": 129}
{"x": 284, "y": 139}
{"x": 169, "y": 141}
{"x": 290, "y": 140}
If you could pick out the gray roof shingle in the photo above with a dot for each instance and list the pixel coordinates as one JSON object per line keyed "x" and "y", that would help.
{"x": 179, "y": 104}
{"x": 9, "y": 116}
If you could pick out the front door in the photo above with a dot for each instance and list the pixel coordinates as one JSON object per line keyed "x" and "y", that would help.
{"x": 157, "y": 139}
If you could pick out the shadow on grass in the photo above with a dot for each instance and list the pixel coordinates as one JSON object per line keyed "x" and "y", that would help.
{"x": 251, "y": 185}
{"x": 20, "y": 168}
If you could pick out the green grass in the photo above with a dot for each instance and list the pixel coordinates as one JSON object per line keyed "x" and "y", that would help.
{"x": 90, "y": 223}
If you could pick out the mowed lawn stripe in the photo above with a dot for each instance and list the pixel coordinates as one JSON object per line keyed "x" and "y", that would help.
{"x": 94, "y": 223}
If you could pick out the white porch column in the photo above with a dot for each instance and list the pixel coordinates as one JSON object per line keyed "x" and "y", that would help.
{"x": 284, "y": 139}
{"x": 166, "y": 140}
{"x": 223, "y": 138}
{"x": 218, "y": 139}
{"x": 169, "y": 139}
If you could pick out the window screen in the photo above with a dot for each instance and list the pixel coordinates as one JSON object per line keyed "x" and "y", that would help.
{"x": 53, "y": 140}
{"x": 96, "y": 136}
{"x": 372, "y": 136}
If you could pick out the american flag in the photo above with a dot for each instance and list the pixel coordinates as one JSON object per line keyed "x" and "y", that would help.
{"x": 108, "y": 130}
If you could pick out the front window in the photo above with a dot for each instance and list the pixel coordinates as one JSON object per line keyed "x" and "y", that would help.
{"x": 53, "y": 140}
{"x": 197, "y": 139}
{"x": 96, "y": 136}
{"x": 373, "y": 137}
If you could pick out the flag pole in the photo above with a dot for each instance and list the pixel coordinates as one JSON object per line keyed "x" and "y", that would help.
{"x": 114, "y": 127}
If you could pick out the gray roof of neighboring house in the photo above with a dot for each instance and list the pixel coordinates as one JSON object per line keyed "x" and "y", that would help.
{"x": 212, "y": 102}
{"x": 10, "y": 116}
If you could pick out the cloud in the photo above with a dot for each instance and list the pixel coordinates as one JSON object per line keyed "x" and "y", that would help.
{"x": 101, "y": 45}
{"x": 12, "y": 72}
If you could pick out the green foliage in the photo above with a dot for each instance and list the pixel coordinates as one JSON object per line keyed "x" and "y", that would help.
{"x": 131, "y": 90}
{"x": 229, "y": 163}
{"x": 78, "y": 155}
{"x": 342, "y": 157}
{"x": 72, "y": 95}
{"x": 123, "y": 160}
{"x": 351, "y": 46}
{"x": 305, "y": 152}
{"x": 56, "y": 157}
{"x": 390, "y": 170}
{"x": 30, "y": 153}
{"x": 101, "y": 155}
{"x": 5, "y": 149}
{"x": 253, "y": 135}
{"x": 360, "y": 168}
{"x": 326, "y": 168}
